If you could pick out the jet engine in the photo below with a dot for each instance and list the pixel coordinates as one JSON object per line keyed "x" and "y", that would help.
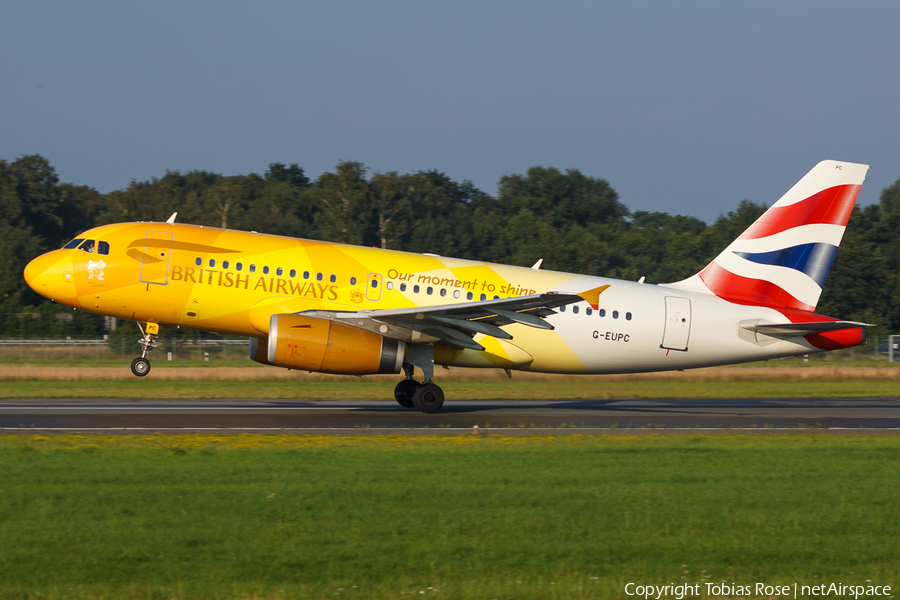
{"x": 314, "y": 344}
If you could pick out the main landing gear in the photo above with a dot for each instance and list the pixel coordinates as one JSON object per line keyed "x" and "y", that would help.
{"x": 141, "y": 365}
{"x": 409, "y": 393}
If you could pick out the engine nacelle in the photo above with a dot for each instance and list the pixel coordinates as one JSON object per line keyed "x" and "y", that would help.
{"x": 314, "y": 344}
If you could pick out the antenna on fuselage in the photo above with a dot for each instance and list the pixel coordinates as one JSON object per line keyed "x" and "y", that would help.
{"x": 172, "y": 218}
{"x": 537, "y": 265}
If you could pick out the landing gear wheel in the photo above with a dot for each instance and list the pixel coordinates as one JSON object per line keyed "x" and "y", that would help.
{"x": 140, "y": 366}
{"x": 404, "y": 391}
{"x": 428, "y": 398}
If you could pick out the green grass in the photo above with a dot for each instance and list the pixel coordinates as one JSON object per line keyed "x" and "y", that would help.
{"x": 568, "y": 388}
{"x": 456, "y": 517}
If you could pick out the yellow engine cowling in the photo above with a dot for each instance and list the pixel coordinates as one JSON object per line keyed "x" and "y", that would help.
{"x": 314, "y": 344}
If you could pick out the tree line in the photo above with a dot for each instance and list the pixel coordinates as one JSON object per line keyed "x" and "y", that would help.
{"x": 574, "y": 222}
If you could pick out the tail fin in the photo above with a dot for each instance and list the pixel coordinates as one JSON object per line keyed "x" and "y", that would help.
{"x": 782, "y": 260}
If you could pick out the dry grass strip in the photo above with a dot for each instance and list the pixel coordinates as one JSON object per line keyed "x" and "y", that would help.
{"x": 251, "y": 373}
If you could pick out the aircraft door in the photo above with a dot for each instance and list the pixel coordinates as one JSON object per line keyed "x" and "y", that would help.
{"x": 678, "y": 324}
{"x": 157, "y": 254}
{"x": 373, "y": 287}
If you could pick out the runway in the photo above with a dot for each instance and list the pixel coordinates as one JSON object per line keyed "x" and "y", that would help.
{"x": 336, "y": 416}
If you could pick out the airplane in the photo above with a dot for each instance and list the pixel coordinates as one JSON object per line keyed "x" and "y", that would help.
{"x": 335, "y": 308}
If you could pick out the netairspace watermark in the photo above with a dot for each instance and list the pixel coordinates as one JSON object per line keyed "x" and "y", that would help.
{"x": 688, "y": 590}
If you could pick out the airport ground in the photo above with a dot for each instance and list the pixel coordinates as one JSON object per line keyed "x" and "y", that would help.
{"x": 512, "y": 512}
{"x": 241, "y": 397}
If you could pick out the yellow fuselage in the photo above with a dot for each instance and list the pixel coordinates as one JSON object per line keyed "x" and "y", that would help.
{"x": 231, "y": 282}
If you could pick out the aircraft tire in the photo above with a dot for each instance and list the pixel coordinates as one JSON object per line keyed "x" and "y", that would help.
{"x": 140, "y": 366}
{"x": 404, "y": 391}
{"x": 429, "y": 398}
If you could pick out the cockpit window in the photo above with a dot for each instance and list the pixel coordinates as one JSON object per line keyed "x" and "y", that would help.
{"x": 102, "y": 247}
{"x": 73, "y": 244}
{"x": 87, "y": 246}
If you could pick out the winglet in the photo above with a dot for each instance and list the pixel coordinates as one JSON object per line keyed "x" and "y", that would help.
{"x": 172, "y": 218}
{"x": 592, "y": 297}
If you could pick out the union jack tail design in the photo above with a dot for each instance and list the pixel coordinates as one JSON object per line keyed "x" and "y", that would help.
{"x": 782, "y": 260}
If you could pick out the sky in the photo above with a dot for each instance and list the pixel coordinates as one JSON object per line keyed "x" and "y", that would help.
{"x": 684, "y": 107}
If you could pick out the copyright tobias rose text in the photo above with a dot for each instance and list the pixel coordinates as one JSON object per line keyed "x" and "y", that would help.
{"x": 679, "y": 592}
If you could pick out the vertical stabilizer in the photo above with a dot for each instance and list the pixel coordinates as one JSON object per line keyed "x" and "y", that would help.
{"x": 782, "y": 260}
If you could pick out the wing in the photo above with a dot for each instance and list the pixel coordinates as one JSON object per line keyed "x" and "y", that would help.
{"x": 456, "y": 324}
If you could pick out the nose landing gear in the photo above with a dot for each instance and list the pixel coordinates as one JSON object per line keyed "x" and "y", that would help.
{"x": 141, "y": 365}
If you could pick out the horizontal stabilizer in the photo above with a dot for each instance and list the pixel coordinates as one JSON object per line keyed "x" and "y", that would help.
{"x": 803, "y": 328}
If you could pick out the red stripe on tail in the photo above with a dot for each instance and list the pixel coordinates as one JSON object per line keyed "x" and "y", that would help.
{"x": 832, "y": 206}
{"x": 753, "y": 292}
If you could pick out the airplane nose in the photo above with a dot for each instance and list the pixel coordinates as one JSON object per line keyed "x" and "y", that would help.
{"x": 50, "y": 276}
{"x": 35, "y": 269}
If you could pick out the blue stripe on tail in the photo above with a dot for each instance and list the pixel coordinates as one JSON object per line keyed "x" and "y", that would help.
{"x": 812, "y": 259}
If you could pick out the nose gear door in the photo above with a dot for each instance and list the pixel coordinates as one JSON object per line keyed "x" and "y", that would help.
{"x": 678, "y": 324}
{"x": 156, "y": 257}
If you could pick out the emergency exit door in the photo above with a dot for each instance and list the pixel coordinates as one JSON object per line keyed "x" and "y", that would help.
{"x": 678, "y": 324}
{"x": 373, "y": 287}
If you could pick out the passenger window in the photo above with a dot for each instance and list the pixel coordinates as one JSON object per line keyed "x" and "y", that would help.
{"x": 588, "y": 311}
{"x": 562, "y": 309}
{"x": 443, "y": 292}
{"x": 212, "y": 263}
{"x": 456, "y": 293}
{"x": 253, "y": 268}
{"x": 224, "y": 264}
{"x": 469, "y": 296}
{"x": 430, "y": 290}
{"x": 333, "y": 279}
{"x": 198, "y": 261}
{"x": 279, "y": 271}
{"x": 402, "y": 287}
{"x": 238, "y": 267}
{"x": 602, "y": 312}
{"x": 627, "y": 316}
{"x": 102, "y": 247}
{"x": 319, "y": 277}
{"x": 73, "y": 244}
{"x": 615, "y": 314}
{"x": 483, "y": 297}
{"x": 496, "y": 297}
{"x": 87, "y": 246}
{"x": 293, "y": 273}
{"x": 575, "y": 310}
{"x": 266, "y": 270}
{"x": 353, "y": 281}
{"x": 305, "y": 274}
{"x": 416, "y": 289}
{"x": 390, "y": 285}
